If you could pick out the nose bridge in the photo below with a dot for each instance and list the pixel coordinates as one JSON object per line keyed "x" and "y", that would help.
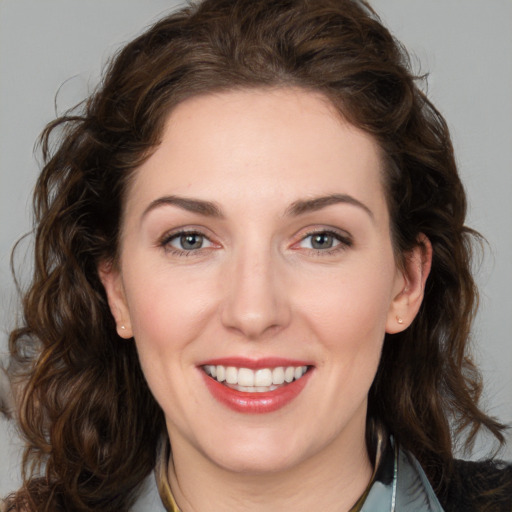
{"x": 255, "y": 301}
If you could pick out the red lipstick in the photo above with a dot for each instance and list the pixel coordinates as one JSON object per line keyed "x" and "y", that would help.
{"x": 255, "y": 364}
{"x": 250, "y": 402}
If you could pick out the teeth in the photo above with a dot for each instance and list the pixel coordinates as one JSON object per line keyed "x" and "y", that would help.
{"x": 278, "y": 375}
{"x": 263, "y": 379}
{"x": 231, "y": 375}
{"x": 221, "y": 373}
{"x": 245, "y": 377}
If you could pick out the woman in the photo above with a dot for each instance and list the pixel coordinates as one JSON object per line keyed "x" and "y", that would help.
{"x": 251, "y": 249}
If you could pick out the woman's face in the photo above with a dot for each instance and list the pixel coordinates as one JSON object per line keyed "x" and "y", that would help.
{"x": 256, "y": 247}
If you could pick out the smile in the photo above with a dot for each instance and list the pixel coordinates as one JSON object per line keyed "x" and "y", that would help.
{"x": 261, "y": 380}
{"x": 255, "y": 386}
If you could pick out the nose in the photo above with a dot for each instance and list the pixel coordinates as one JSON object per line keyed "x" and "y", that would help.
{"x": 256, "y": 302}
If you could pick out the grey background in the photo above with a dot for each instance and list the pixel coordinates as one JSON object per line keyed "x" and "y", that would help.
{"x": 465, "y": 45}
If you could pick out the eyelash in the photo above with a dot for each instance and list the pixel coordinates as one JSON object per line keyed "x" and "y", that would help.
{"x": 345, "y": 241}
{"x": 166, "y": 240}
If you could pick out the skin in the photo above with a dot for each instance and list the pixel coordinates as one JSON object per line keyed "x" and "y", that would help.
{"x": 257, "y": 288}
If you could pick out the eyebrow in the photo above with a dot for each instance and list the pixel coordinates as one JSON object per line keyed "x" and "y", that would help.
{"x": 310, "y": 205}
{"x": 206, "y": 208}
{"x": 210, "y": 209}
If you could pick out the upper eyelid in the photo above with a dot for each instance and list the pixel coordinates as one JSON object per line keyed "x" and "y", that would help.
{"x": 165, "y": 243}
{"x": 344, "y": 239}
{"x": 341, "y": 233}
{"x": 303, "y": 233}
{"x": 193, "y": 230}
{"x": 178, "y": 234}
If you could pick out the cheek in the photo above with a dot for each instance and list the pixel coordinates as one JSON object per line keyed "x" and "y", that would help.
{"x": 168, "y": 308}
{"x": 166, "y": 319}
{"x": 351, "y": 303}
{"x": 347, "y": 312}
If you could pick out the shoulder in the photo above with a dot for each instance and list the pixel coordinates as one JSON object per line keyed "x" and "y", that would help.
{"x": 475, "y": 486}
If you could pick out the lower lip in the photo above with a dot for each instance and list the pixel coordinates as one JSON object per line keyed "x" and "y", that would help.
{"x": 256, "y": 403}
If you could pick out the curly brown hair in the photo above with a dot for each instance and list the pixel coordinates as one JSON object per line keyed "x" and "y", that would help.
{"x": 89, "y": 420}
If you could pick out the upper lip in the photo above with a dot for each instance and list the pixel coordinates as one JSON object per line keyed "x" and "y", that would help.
{"x": 255, "y": 364}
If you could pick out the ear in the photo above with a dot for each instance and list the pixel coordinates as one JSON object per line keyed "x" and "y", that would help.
{"x": 112, "y": 281}
{"x": 410, "y": 289}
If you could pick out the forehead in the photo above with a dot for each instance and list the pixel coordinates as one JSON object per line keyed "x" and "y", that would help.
{"x": 277, "y": 144}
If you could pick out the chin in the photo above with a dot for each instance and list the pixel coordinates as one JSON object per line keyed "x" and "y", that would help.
{"x": 255, "y": 462}
{"x": 258, "y": 453}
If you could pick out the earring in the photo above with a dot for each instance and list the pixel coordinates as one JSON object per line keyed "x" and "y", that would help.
{"x": 399, "y": 320}
{"x": 123, "y": 327}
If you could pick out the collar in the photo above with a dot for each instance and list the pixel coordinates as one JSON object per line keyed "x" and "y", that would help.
{"x": 398, "y": 481}
{"x": 399, "y": 484}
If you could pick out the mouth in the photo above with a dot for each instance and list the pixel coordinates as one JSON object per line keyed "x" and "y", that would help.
{"x": 262, "y": 380}
{"x": 247, "y": 386}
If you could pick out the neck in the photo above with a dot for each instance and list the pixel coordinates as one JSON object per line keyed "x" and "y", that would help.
{"x": 332, "y": 481}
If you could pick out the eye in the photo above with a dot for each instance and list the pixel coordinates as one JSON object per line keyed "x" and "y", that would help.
{"x": 319, "y": 241}
{"x": 327, "y": 241}
{"x": 187, "y": 241}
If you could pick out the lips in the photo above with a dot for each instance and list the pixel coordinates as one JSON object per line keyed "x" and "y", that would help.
{"x": 250, "y": 386}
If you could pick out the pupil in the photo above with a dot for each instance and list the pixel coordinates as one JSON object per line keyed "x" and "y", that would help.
{"x": 191, "y": 241}
{"x": 322, "y": 241}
